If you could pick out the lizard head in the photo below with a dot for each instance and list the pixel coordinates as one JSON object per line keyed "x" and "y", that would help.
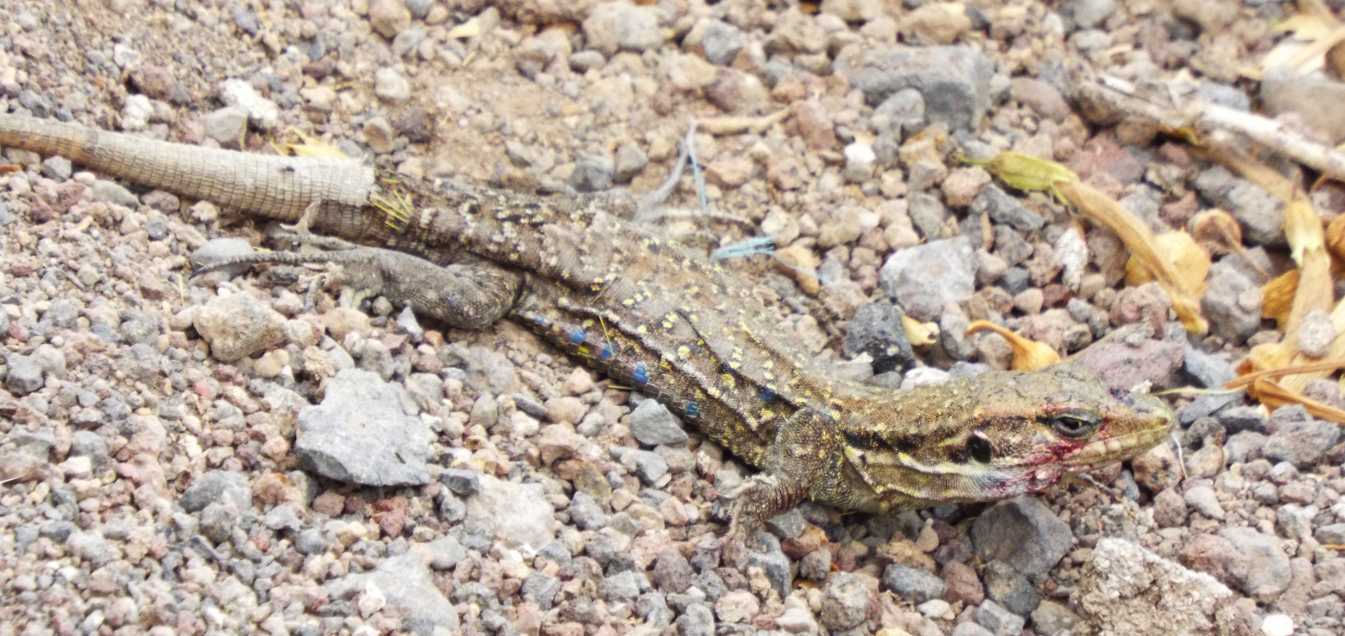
{"x": 996, "y": 435}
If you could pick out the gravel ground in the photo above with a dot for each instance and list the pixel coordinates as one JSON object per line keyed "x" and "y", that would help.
{"x": 246, "y": 455}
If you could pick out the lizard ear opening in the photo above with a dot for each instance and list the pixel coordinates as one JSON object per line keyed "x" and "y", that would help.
{"x": 978, "y": 446}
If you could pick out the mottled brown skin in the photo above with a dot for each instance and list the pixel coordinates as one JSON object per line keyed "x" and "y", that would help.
{"x": 656, "y": 316}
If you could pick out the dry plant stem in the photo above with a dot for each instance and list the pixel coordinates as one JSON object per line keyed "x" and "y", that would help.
{"x": 1314, "y": 367}
{"x": 1120, "y": 97}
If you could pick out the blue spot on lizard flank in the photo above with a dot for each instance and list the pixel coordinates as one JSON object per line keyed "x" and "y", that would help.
{"x": 607, "y": 352}
{"x": 766, "y": 394}
{"x": 641, "y": 374}
{"x": 577, "y": 336}
{"x": 693, "y": 409}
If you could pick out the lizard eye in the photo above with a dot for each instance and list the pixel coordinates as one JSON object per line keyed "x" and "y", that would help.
{"x": 1075, "y": 425}
{"x": 979, "y": 448}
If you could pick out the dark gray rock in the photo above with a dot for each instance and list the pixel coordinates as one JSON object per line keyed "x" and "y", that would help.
{"x": 1302, "y": 443}
{"x": 1010, "y": 588}
{"x": 911, "y": 584}
{"x": 1210, "y": 370}
{"x": 1232, "y": 303}
{"x": 954, "y": 80}
{"x": 1004, "y": 208}
{"x": 652, "y": 425}
{"x": 876, "y": 329}
{"x": 1023, "y": 533}
{"x": 218, "y": 486}
{"x": 998, "y": 619}
{"x": 1259, "y": 213}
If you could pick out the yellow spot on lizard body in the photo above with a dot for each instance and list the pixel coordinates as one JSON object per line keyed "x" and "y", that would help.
{"x": 728, "y": 380}
{"x": 683, "y": 352}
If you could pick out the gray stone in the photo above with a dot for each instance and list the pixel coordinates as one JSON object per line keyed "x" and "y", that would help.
{"x": 408, "y": 584}
{"x": 218, "y": 486}
{"x": 1023, "y": 533}
{"x": 1302, "y": 443}
{"x": 24, "y": 375}
{"x": 57, "y": 167}
{"x": 463, "y": 483}
{"x": 586, "y": 512}
{"x": 911, "y": 584}
{"x": 238, "y": 325}
{"x": 1232, "y": 303}
{"x": 92, "y": 547}
{"x": 672, "y": 571}
{"x": 954, "y": 80}
{"x": 622, "y": 587}
{"x": 717, "y": 40}
{"x": 592, "y": 174}
{"x": 218, "y": 249}
{"x": 616, "y": 26}
{"x": 391, "y": 85}
{"x": 113, "y": 192}
{"x": 845, "y": 601}
{"x": 361, "y": 433}
{"x": 900, "y": 113}
{"x": 541, "y": 589}
{"x": 927, "y": 214}
{"x": 218, "y": 521}
{"x": 1010, "y": 588}
{"x": 1202, "y": 499}
{"x": 630, "y": 160}
{"x": 1259, "y": 213}
{"x": 1333, "y": 534}
{"x": 877, "y": 329}
{"x": 924, "y": 278}
{"x": 998, "y": 620}
{"x": 653, "y": 425}
{"x": 262, "y": 113}
{"x": 1210, "y": 370}
{"x": 517, "y": 514}
{"x": 1129, "y": 590}
{"x": 226, "y": 125}
{"x": 1089, "y": 14}
{"x": 696, "y": 620}
{"x": 1004, "y": 208}
{"x": 1260, "y": 567}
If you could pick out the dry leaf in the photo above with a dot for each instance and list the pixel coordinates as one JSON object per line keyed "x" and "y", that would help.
{"x": 6, "y": 168}
{"x": 1217, "y": 230}
{"x": 1277, "y": 297}
{"x": 1335, "y": 237}
{"x": 308, "y": 146}
{"x": 1324, "y": 365}
{"x": 920, "y": 334}
{"x": 1335, "y": 60}
{"x": 1274, "y": 396}
{"x": 1314, "y": 31}
{"x": 1028, "y": 355}
{"x": 1103, "y": 210}
{"x": 1190, "y": 263}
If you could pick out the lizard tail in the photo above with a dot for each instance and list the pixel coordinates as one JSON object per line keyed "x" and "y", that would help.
{"x": 271, "y": 186}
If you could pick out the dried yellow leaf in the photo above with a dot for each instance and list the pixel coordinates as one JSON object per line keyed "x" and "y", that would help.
{"x": 1190, "y": 263}
{"x": 1028, "y": 355}
{"x": 1277, "y": 297}
{"x": 308, "y": 146}
{"x": 1314, "y": 367}
{"x": 1335, "y": 237}
{"x": 920, "y": 334}
{"x": 1217, "y": 230}
{"x": 1103, "y": 210}
{"x": 1274, "y": 396}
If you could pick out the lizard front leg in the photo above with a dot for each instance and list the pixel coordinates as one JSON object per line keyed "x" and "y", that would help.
{"x": 803, "y": 458}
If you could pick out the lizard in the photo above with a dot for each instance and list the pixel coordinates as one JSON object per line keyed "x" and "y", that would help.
{"x": 661, "y": 318}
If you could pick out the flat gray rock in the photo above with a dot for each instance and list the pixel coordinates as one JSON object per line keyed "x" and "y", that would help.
{"x": 361, "y": 434}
